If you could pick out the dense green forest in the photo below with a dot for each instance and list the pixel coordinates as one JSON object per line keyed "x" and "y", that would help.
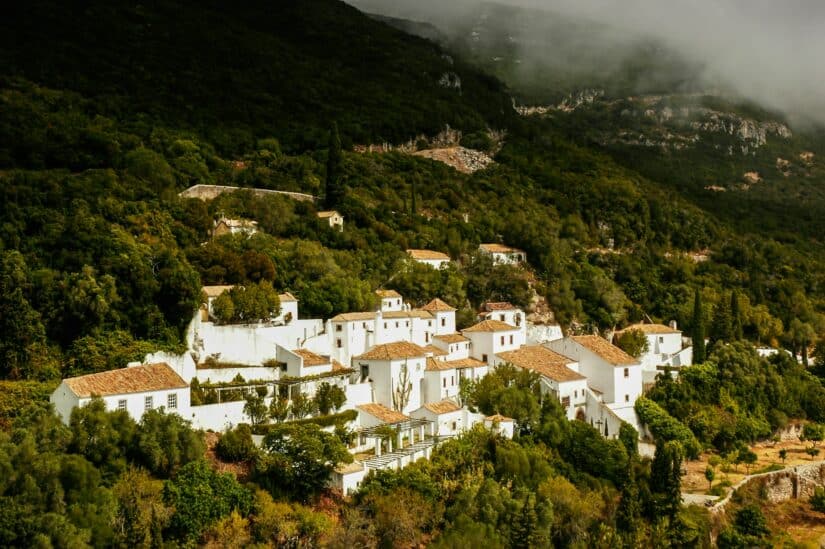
{"x": 109, "y": 110}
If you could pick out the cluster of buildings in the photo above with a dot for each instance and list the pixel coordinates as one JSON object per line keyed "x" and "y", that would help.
{"x": 400, "y": 367}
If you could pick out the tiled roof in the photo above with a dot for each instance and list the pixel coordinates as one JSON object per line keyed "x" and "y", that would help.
{"x": 337, "y": 366}
{"x": 543, "y": 361}
{"x": 393, "y": 351}
{"x": 435, "y": 365}
{"x": 286, "y": 296}
{"x": 467, "y": 363}
{"x": 238, "y": 222}
{"x": 500, "y": 418}
{"x": 387, "y": 293}
{"x": 435, "y": 350}
{"x": 349, "y": 317}
{"x": 137, "y": 379}
{"x": 326, "y": 214}
{"x": 310, "y": 358}
{"x": 437, "y": 305}
{"x": 499, "y": 249}
{"x": 446, "y": 406}
{"x": 498, "y": 306}
{"x": 215, "y": 291}
{"x": 428, "y": 254}
{"x": 382, "y": 413}
{"x": 490, "y": 326}
{"x": 606, "y": 350}
{"x": 651, "y": 329}
{"x": 348, "y": 468}
{"x": 451, "y": 338}
{"x": 406, "y": 314}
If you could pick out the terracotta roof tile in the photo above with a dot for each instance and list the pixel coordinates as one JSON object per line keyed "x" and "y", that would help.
{"x": 490, "y": 326}
{"x": 437, "y": 305}
{"x": 286, "y": 296}
{"x": 467, "y": 363}
{"x": 606, "y": 350}
{"x": 451, "y": 338}
{"x": 382, "y": 413}
{"x": 435, "y": 350}
{"x": 446, "y": 406}
{"x": 498, "y": 306}
{"x": 137, "y": 379}
{"x": 428, "y": 254}
{"x": 435, "y": 365}
{"x": 543, "y": 361}
{"x": 328, "y": 213}
{"x": 350, "y": 317}
{"x": 215, "y": 291}
{"x": 651, "y": 329}
{"x": 310, "y": 358}
{"x": 500, "y": 418}
{"x": 383, "y": 294}
{"x": 499, "y": 249}
{"x": 406, "y": 314}
{"x": 393, "y": 351}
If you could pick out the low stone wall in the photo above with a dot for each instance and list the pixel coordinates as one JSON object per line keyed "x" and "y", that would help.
{"x": 794, "y": 482}
{"x": 209, "y": 192}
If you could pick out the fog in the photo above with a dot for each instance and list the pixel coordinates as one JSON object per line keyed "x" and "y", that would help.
{"x": 772, "y": 53}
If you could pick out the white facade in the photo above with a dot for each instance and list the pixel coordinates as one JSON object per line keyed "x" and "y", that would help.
{"x": 449, "y": 419}
{"x": 441, "y": 381}
{"x": 434, "y": 259}
{"x": 538, "y": 334}
{"x": 664, "y": 348}
{"x": 333, "y": 218}
{"x": 503, "y": 255}
{"x": 391, "y": 375}
{"x": 491, "y": 337}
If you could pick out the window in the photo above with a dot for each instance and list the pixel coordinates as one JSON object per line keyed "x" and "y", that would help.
{"x": 364, "y": 325}
{"x": 565, "y": 401}
{"x": 398, "y": 302}
{"x": 407, "y": 324}
{"x": 147, "y": 403}
{"x": 397, "y": 324}
{"x": 172, "y": 401}
{"x": 501, "y": 318}
{"x": 452, "y": 381}
{"x": 483, "y": 358}
{"x": 576, "y": 394}
{"x": 627, "y": 398}
{"x": 338, "y": 343}
{"x": 385, "y": 325}
{"x": 455, "y": 426}
{"x": 429, "y": 324}
{"x": 511, "y": 340}
{"x": 426, "y": 337}
{"x": 443, "y": 321}
{"x": 337, "y": 327}
{"x": 121, "y": 405}
{"x": 283, "y": 366}
{"x": 444, "y": 382}
{"x": 502, "y": 340}
{"x": 627, "y": 372}
{"x": 365, "y": 371}
{"x": 661, "y": 339}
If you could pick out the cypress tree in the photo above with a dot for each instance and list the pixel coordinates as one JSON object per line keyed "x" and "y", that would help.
{"x": 720, "y": 329}
{"x": 629, "y": 513}
{"x": 698, "y": 329}
{"x": 666, "y": 477}
{"x": 735, "y": 317}
{"x": 333, "y": 188}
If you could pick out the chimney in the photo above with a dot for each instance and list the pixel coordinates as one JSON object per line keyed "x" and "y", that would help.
{"x": 673, "y": 325}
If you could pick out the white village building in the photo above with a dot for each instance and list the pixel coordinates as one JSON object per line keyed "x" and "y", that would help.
{"x": 335, "y": 220}
{"x": 665, "y": 347}
{"x": 432, "y": 258}
{"x": 224, "y": 225}
{"x": 488, "y": 338}
{"x": 503, "y": 255}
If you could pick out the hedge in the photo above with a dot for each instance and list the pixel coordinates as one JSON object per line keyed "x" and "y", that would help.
{"x": 665, "y": 427}
{"x": 322, "y": 421}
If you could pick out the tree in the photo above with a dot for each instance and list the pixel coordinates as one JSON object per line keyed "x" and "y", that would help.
{"x": 201, "y": 496}
{"x": 818, "y": 500}
{"x": 255, "y": 408}
{"x": 815, "y": 432}
{"x": 749, "y": 521}
{"x": 813, "y": 452}
{"x": 102, "y": 437}
{"x": 329, "y": 397}
{"x": 402, "y": 390}
{"x": 302, "y": 405}
{"x": 279, "y": 408}
{"x": 633, "y": 342}
{"x": 666, "y": 478}
{"x": 298, "y": 460}
{"x": 710, "y": 474}
{"x": 140, "y": 509}
{"x": 164, "y": 442}
{"x": 721, "y": 326}
{"x": 783, "y": 454}
{"x": 698, "y": 329}
{"x": 333, "y": 186}
{"x": 735, "y": 317}
{"x": 746, "y": 456}
{"x": 250, "y": 303}
{"x": 236, "y": 444}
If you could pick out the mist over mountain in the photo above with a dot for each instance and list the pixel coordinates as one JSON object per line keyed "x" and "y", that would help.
{"x": 760, "y": 51}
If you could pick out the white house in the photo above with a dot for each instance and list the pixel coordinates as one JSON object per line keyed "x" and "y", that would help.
{"x": 234, "y": 226}
{"x": 397, "y": 374}
{"x": 504, "y": 312}
{"x": 134, "y": 390}
{"x": 559, "y": 376}
{"x": 501, "y": 425}
{"x": 408, "y": 325}
{"x": 390, "y": 300}
{"x": 455, "y": 346}
{"x": 664, "y": 348}
{"x": 503, "y": 255}
{"x": 612, "y": 373}
{"x": 335, "y": 220}
{"x": 448, "y": 417}
{"x": 443, "y": 314}
{"x": 440, "y": 381}
{"x": 491, "y": 337}
{"x": 432, "y": 258}
{"x": 352, "y": 334}
{"x": 289, "y": 308}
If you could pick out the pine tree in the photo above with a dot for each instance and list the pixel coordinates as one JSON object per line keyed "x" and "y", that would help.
{"x": 735, "y": 317}
{"x": 524, "y": 530}
{"x": 630, "y": 509}
{"x": 698, "y": 329}
{"x": 333, "y": 188}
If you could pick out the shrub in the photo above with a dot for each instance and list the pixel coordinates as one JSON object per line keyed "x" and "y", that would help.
{"x": 666, "y": 427}
{"x": 236, "y": 444}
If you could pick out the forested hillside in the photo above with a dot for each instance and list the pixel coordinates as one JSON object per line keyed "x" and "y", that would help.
{"x": 108, "y": 111}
